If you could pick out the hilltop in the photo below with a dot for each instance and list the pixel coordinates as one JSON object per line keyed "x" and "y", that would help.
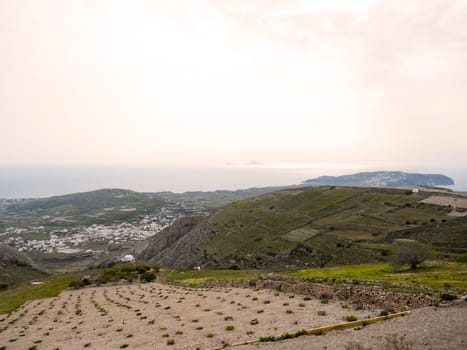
{"x": 304, "y": 227}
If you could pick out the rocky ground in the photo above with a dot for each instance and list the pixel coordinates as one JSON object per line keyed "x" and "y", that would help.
{"x": 157, "y": 316}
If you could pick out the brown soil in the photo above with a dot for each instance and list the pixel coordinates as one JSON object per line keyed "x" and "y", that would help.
{"x": 427, "y": 328}
{"x": 146, "y": 316}
{"x": 455, "y": 202}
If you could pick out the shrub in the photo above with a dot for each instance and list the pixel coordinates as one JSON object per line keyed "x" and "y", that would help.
{"x": 170, "y": 341}
{"x": 447, "y": 296}
{"x": 76, "y": 284}
{"x": 350, "y": 318}
{"x": 324, "y": 301}
{"x": 229, "y": 327}
{"x": 384, "y": 312}
{"x": 142, "y": 268}
{"x": 462, "y": 258}
{"x": 148, "y": 276}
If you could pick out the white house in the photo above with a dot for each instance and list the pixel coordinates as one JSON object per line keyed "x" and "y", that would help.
{"x": 128, "y": 258}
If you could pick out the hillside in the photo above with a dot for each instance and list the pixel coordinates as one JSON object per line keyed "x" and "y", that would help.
{"x": 94, "y": 207}
{"x": 302, "y": 227}
{"x": 16, "y": 267}
{"x": 382, "y": 179}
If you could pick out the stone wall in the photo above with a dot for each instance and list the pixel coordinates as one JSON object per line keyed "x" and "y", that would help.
{"x": 368, "y": 297}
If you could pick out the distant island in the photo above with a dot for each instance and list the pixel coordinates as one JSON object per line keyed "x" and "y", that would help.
{"x": 382, "y": 179}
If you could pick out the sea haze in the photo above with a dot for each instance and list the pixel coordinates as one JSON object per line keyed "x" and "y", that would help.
{"x": 44, "y": 181}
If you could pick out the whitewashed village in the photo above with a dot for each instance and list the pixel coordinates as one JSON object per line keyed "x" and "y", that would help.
{"x": 96, "y": 239}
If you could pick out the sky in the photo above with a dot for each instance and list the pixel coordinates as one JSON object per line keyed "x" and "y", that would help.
{"x": 272, "y": 83}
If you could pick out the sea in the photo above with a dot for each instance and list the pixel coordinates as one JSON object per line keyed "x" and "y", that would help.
{"x": 33, "y": 181}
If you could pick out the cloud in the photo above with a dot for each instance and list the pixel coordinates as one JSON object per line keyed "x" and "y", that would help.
{"x": 277, "y": 80}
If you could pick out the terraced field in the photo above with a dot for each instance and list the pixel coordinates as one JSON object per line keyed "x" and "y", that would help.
{"x": 309, "y": 227}
{"x": 156, "y": 316}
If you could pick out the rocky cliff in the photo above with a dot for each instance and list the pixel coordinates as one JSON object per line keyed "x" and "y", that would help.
{"x": 176, "y": 246}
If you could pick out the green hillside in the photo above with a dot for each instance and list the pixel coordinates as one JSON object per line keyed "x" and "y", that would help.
{"x": 101, "y": 206}
{"x": 327, "y": 226}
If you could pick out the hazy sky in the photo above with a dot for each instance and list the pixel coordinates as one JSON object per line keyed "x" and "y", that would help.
{"x": 234, "y": 82}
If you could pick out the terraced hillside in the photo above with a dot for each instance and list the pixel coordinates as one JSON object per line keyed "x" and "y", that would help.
{"x": 308, "y": 227}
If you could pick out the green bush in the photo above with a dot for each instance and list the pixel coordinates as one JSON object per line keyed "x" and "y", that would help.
{"x": 148, "y": 276}
{"x": 142, "y": 268}
{"x": 448, "y": 297}
{"x": 129, "y": 272}
{"x": 350, "y": 318}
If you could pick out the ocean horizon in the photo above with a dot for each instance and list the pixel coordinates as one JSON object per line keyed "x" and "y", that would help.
{"x": 45, "y": 181}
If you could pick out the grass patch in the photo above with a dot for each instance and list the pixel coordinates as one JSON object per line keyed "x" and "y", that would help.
{"x": 13, "y": 297}
{"x": 435, "y": 275}
{"x": 202, "y": 276}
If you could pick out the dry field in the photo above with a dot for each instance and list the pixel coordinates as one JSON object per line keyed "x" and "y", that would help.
{"x": 157, "y": 316}
{"x": 456, "y": 202}
{"x": 424, "y": 329}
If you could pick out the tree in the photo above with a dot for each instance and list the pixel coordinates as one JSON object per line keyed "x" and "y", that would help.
{"x": 411, "y": 254}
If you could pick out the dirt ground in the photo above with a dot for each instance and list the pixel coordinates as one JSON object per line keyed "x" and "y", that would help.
{"x": 455, "y": 202}
{"x": 428, "y": 328}
{"x": 157, "y": 316}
